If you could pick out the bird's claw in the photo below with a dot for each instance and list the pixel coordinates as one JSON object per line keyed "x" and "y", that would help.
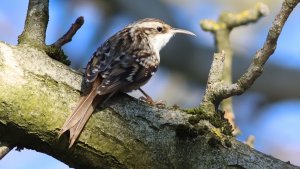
{"x": 159, "y": 104}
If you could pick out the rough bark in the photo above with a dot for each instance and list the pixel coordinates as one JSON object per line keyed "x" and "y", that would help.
{"x": 37, "y": 94}
{"x": 34, "y": 32}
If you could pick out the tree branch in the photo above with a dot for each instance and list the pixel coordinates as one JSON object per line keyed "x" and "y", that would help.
{"x": 254, "y": 71}
{"x": 55, "y": 50}
{"x": 37, "y": 17}
{"x": 4, "y": 149}
{"x": 37, "y": 94}
{"x": 245, "y": 17}
{"x": 34, "y": 32}
{"x": 215, "y": 78}
{"x": 67, "y": 37}
{"x": 261, "y": 56}
{"x": 221, "y": 31}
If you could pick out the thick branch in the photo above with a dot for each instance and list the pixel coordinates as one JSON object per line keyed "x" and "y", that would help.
{"x": 34, "y": 32}
{"x": 4, "y": 149}
{"x": 37, "y": 94}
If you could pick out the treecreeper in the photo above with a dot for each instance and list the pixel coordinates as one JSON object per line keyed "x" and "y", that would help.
{"x": 124, "y": 62}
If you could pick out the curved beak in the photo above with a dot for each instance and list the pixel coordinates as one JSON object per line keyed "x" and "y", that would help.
{"x": 175, "y": 30}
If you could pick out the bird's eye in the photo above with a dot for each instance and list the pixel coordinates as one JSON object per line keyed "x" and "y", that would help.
{"x": 159, "y": 29}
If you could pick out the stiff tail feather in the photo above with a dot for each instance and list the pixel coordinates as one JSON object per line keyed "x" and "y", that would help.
{"x": 84, "y": 109}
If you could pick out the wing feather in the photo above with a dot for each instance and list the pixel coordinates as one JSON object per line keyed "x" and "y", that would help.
{"x": 119, "y": 64}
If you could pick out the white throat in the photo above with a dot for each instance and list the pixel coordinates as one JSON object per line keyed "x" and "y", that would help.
{"x": 158, "y": 41}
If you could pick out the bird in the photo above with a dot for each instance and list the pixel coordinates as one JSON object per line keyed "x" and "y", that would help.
{"x": 124, "y": 62}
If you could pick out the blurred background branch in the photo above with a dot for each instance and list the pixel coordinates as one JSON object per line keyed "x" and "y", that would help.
{"x": 221, "y": 31}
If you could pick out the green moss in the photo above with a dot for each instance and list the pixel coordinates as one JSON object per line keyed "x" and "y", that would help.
{"x": 218, "y": 135}
{"x": 228, "y": 143}
{"x": 227, "y": 129}
{"x": 184, "y": 131}
{"x": 193, "y": 120}
{"x": 26, "y": 38}
{"x": 36, "y": 97}
{"x": 174, "y": 107}
{"x": 194, "y": 111}
{"x": 57, "y": 54}
{"x": 216, "y": 119}
{"x": 207, "y": 108}
{"x": 214, "y": 141}
{"x": 202, "y": 130}
{"x": 5, "y": 107}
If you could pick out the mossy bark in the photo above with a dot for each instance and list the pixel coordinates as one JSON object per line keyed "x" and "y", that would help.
{"x": 37, "y": 94}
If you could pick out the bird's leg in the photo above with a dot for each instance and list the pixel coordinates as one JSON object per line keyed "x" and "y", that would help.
{"x": 149, "y": 100}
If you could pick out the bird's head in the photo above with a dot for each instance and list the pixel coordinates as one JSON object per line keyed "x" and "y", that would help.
{"x": 157, "y": 32}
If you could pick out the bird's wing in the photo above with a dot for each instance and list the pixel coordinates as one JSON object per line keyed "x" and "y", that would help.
{"x": 120, "y": 64}
{"x": 124, "y": 74}
{"x": 107, "y": 54}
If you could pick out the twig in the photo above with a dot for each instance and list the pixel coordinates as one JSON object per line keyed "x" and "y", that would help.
{"x": 67, "y": 37}
{"x": 55, "y": 50}
{"x": 245, "y": 17}
{"x": 213, "y": 98}
{"x": 262, "y": 55}
{"x": 4, "y": 149}
{"x": 34, "y": 32}
{"x": 231, "y": 20}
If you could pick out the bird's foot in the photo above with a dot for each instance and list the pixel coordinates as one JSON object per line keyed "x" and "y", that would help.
{"x": 159, "y": 104}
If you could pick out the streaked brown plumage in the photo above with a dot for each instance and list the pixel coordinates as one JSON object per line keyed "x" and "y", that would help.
{"x": 125, "y": 62}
